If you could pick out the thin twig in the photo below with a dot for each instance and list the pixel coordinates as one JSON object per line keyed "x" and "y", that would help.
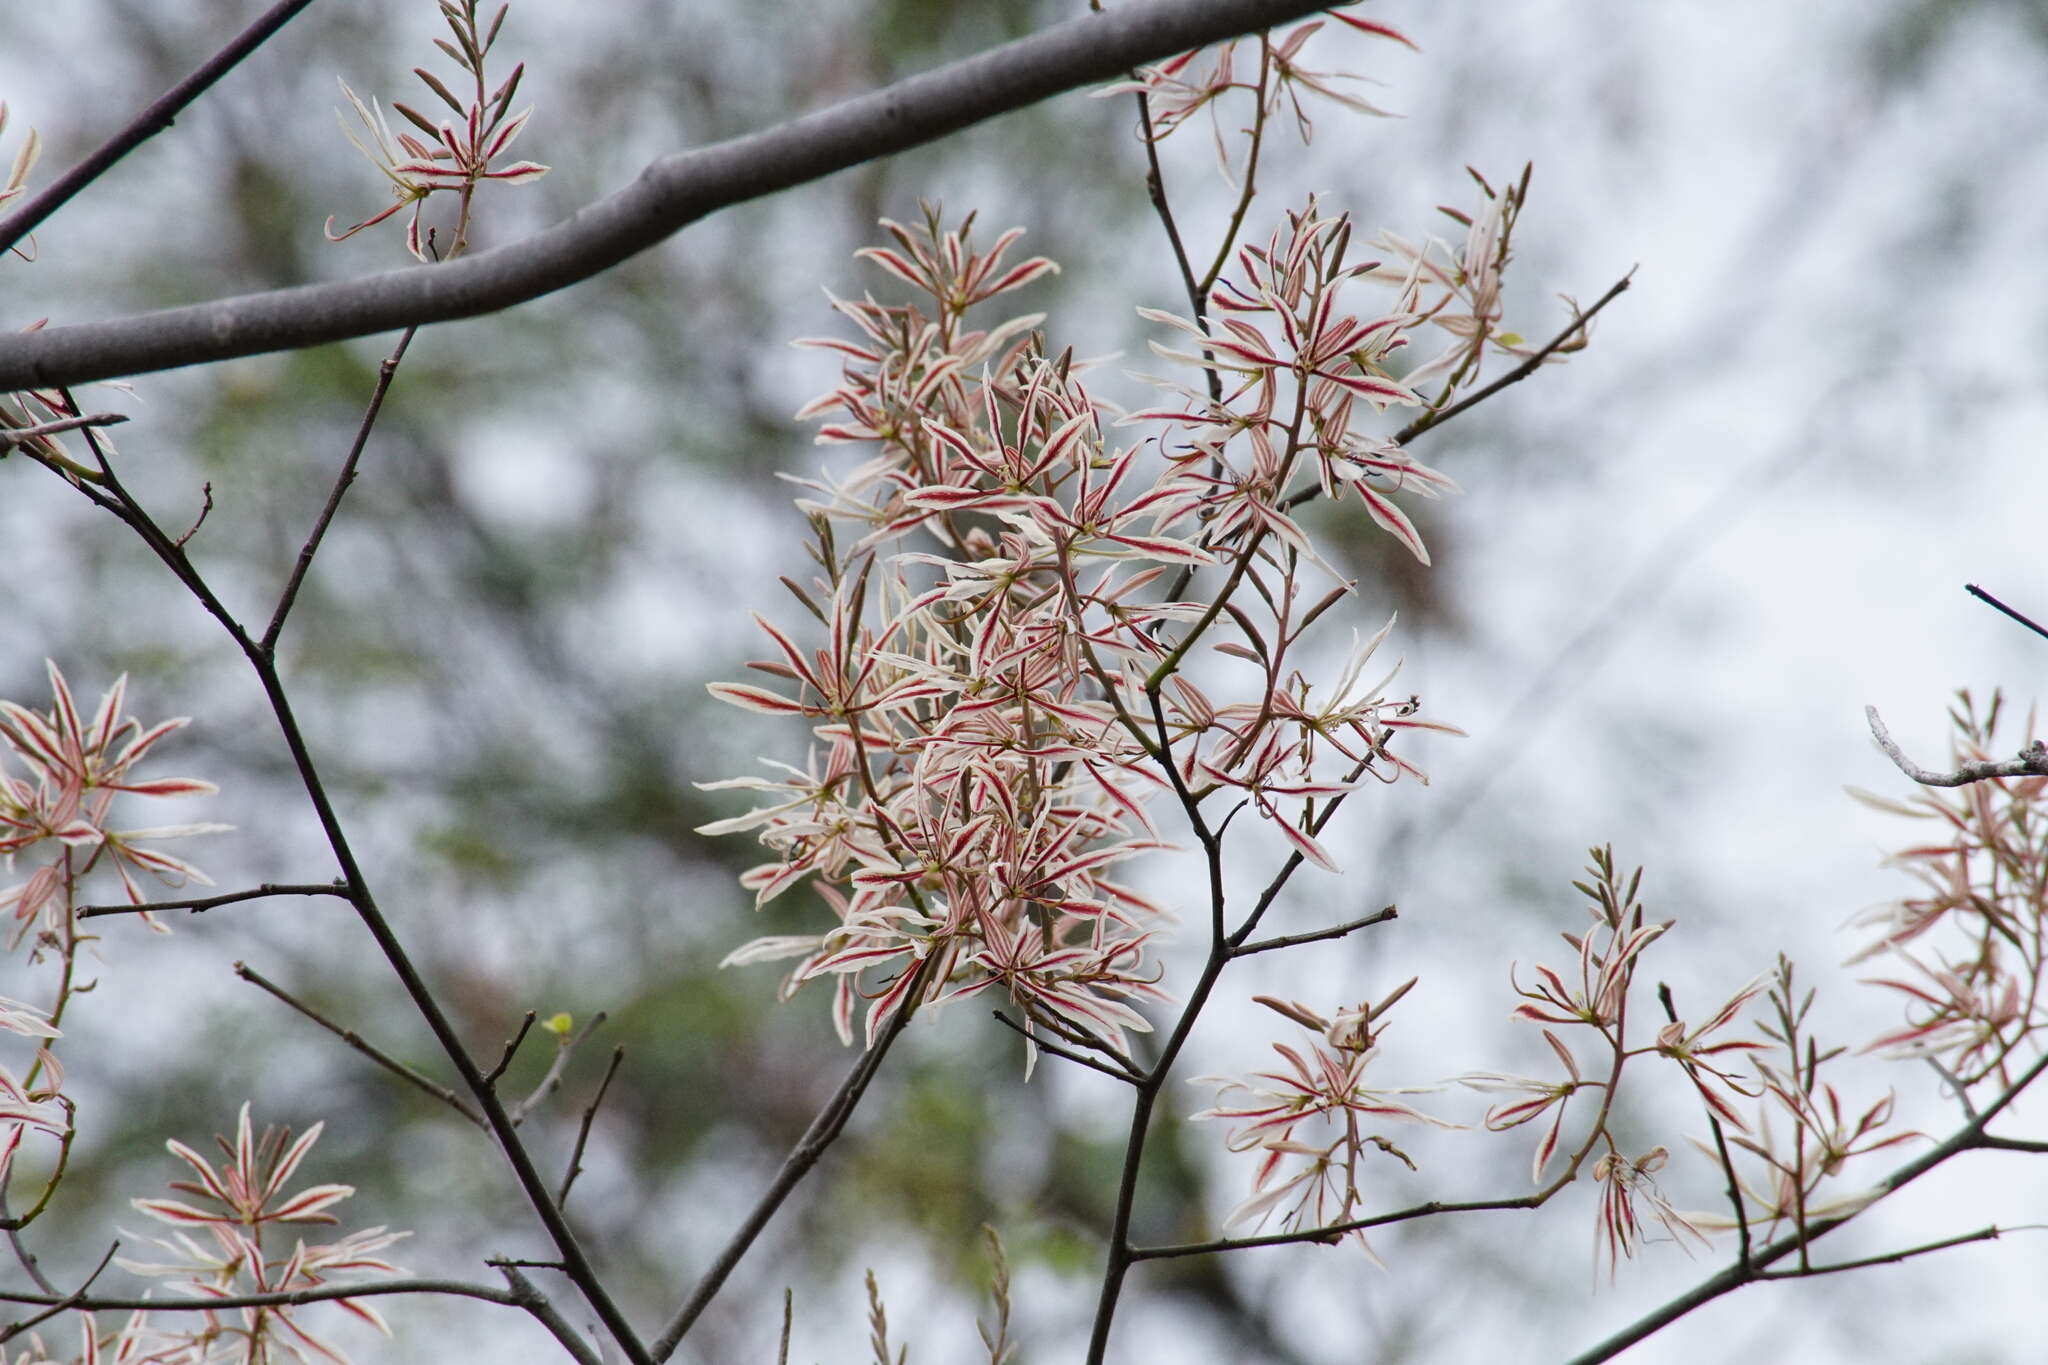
{"x": 1576, "y": 328}
{"x": 204, "y": 903}
{"x": 342, "y": 481}
{"x": 511, "y": 1047}
{"x": 2032, "y": 761}
{"x": 205, "y": 511}
{"x": 69, "y": 1301}
{"x": 1988, "y": 599}
{"x": 1990, "y": 1234}
{"x": 160, "y": 114}
{"x": 1969, "y": 1138}
{"x": 825, "y": 1127}
{"x": 1067, "y": 1054}
{"x": 292, "y": 1298}
{"x": 583, "y": 1130}
{"x": 2006, "y": 1144}
{"x": 552, "y": 1081}
{"x": 12, "y": 1227}
{"x": 368, "y": 1049}
{"x": 21, "y": 436}
{"x": 1267, "y": 945}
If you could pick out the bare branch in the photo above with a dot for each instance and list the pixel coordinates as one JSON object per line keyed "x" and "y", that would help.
{"x": 342, "y": 481}
{"x": 668, "y": 196}
{"x": 1989, "y": 600}
{"x": 511, "y": 1049}
{"x": 1066, "y": 1054}
{"x": 2032, "y": 761}
{"x": 583, "y": 1130}
{"x": 810, "y": 1148}
{"x": 1267, "y": 945}
{"x": 153, "y": 120}
{"x": 552, "y": 1081}
{"x": 290, "y": 1299}
{"x": 205, "y": 903}
{"x": 368, "y": 1049}
{"x": 17, "y": 436}
{"x": 1990, "y": 1234}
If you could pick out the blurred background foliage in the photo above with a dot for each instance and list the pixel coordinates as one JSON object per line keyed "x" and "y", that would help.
{"x": 1686, "y": 560}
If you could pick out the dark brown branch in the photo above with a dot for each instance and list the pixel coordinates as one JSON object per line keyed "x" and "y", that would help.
{"x": 368, "y": 1049}
{"x": 1335, "y": 1232}
{"x": 160, "y": 114}
{"x": 511, "y": 1049}
{"x": 1576, "y": 328}
{"x": 2032, "y": 761}
{"x": 668, "y": 196}
{"x": 341, "y": 484}
{"x": 2005, "y": 1144}
{"x": 1267, "y": 945}
{"x": 1990, "y": 1234}
{"x": 810, "y": 1148}
{"x": 205, "y": 903}
{"x": 1990, "y": 601}
{"x": 113, "y": 498}
{"x": 1065, "y": 1053}
{"x": 1970, "y": 1137}
{"x": 583, "y": 1130}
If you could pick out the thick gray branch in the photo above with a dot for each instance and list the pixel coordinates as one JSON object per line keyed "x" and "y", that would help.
{"x": 2031, "y": 761}
{"x": 669, "y": 195}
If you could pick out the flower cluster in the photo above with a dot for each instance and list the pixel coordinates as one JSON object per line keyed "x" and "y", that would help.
{"x": 55, "y": 816}
{"x": 1973, "y": 947}
{"x": 990, "y": 718}
{"x": 455, "y": 155}
{"x": 1306, "y": 1122}
{"x": 1596, "y": 998}
{"x": 237, "y": 1205}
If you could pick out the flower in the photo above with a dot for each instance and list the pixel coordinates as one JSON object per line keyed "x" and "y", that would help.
{"x": 454, "y": 155}
{"x": 1323, "y": 1090}
{"x": 59, "y": 811}
{"x": 1625, "y": 1185}
{"x": 236, "y": 1204}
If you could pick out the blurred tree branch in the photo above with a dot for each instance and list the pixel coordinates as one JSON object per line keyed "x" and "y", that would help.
{"x": 668, "y": 196}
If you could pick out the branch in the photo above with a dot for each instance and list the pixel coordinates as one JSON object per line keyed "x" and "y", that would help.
{"x": 583, "y": 1131}
{"x": 810, "y": 1148}
{"x": 288, "y": 1299}
{"x": 1989, "y": 600}
{"x": 1267, "y": 945}
{"x": 205, "y": 903}
{"x": 342, "y": 481}
{"x": 1970, "y": 1137}
{"x": 1990, "y": 1234}
{"x": 368, "y": 1049}
{"x": 669, "y": 195}
{"x": 2031, "y": 762}
{"x": 1521, "y": 371}
{"x": 552, "y": 1080}
{"x": 1065, "y": 1053}
{"x": 160, "y": 114}
{"x": 20, "y": 436}
{"x": 63, "y": 1305}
